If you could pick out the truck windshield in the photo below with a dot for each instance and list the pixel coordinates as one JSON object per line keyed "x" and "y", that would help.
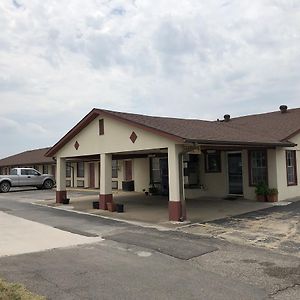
{"x": 13, "y": 172}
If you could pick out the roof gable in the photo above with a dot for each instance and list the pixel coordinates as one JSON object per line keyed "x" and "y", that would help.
{"x": 248, "y": 130}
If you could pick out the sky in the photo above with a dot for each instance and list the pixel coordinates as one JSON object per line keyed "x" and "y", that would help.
{"x": 188, "y": 58}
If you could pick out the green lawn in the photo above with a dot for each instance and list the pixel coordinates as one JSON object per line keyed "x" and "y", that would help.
{"x": 15, "y": 291}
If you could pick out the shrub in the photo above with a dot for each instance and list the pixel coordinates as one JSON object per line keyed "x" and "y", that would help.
{"x": 261, "y": 189}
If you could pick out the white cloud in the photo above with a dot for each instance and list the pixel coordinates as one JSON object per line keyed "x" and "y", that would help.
{"x": 58, "y": 59}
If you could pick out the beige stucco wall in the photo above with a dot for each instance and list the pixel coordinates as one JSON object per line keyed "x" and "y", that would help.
{"x": 141, "y": 174}
{"x": 115, "y": 139}
{"x": 215, "y": 184}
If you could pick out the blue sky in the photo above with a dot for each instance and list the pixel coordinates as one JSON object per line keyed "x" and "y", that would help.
{"x": 194, "y": 59}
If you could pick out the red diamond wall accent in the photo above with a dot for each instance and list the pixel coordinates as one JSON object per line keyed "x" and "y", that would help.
{"x": 133, "y": 136}
{"x": 76, "y": 145}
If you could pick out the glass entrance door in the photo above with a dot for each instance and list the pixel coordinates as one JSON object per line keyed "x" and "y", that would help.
{"x": 235, "y": 173}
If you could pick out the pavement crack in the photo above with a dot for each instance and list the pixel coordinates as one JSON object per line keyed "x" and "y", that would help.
{"x": 284, "y": 289}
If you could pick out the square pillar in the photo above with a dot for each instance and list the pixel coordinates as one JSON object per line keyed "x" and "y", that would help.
{"x": 86, "y": 174}
{"x": 61, "y": 192}
{"x": 97, "y": 175}
{"x": 105, "y": 180}
{"x": 177, "y": 211}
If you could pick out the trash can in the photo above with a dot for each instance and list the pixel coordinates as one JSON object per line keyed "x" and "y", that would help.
{"x": 120, "y": 208}
{"x": 128, "y": 185}
{"x": 66, "y": 201}
{"x": 95, "y": 204}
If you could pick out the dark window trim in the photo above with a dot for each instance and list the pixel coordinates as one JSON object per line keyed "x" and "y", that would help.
{"x": 218, "y": 153}
{"x": 250, "y": 169}
{"x": 77, "y": 168}
{"x": 295, "y": 167}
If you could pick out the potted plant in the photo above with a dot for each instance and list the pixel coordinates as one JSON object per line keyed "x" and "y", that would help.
{"x": 261, "y": 191}
{"x": 153, "y": 190}
{"x": 272, "y": 195}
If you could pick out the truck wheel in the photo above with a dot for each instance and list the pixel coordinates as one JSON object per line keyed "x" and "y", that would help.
{"x": 48, "y": 184}
{"x": 4, "y": 187}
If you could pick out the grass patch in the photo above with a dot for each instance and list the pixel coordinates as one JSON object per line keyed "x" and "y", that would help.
{"x": 15, "y": 291}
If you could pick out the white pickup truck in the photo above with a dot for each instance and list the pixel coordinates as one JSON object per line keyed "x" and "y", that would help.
{"x": 20, "y": 177}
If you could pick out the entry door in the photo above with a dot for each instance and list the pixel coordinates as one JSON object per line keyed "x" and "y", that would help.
{"x": 92, "y": 175}
{"x": 164, "y": 171}
{"x": 128, "y": 170}
{"x": 235, "y": 173}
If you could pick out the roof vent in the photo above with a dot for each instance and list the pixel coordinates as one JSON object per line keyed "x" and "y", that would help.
{"x": 283, "y": 108}
{"x": 226, "y": 118}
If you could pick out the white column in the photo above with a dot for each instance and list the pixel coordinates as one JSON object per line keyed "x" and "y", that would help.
{"x": 175, "y": 183}
{"x": 105, "y": 180}
{"x": 97, "y": 174}
{"x": 60, "y": 179}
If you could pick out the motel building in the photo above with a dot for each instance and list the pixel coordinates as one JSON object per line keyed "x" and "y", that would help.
{"x": 180, "y": 158}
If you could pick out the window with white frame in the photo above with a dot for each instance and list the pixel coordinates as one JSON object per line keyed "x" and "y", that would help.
{"x": 114, "y": 169}
{"x": 68, "y": 169}
{"x": 291, "y": 167}
{"x": 258, "y": 167}
{"x": 80, "y": 169}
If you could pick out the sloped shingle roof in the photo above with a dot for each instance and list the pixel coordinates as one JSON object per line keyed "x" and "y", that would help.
{"x": 31, "y": 157}
{"x": 269, "y": 129}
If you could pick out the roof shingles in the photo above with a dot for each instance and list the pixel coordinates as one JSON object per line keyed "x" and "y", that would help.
{"x": 31, "y": 157}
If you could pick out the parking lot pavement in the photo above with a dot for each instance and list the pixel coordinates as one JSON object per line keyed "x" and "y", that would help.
{"x": 123, "y": 267}
{"x": 19, "y": 236}
{"x": 276, "y": 228}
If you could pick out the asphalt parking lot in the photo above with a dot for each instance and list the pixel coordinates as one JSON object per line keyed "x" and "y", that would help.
{"x": 276, "y": 228}
{"x": 134, "y": 262}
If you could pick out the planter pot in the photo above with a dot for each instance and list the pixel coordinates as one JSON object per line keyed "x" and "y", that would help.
{"x": 120, "y": 208}
{"x": 95, "y": 204}
{"x": 111, "y": 206}
{"x": 272, "y": 198}
{"x": 261, "y": 198}
{"x": 66, "y": 201}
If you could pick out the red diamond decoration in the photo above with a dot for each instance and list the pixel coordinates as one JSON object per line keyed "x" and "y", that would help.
{"x": 76, "y": 145}
{"x": 133, "y": 136}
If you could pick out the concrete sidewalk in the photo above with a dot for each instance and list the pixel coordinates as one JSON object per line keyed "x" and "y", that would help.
{"x": 154, "y": 209}
{"x": 19, "y": 236}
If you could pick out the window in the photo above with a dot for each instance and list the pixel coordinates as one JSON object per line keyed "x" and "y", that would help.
{"x": 114, "y": 169}
{"x": 212, "y": 161}
{"x": 36, "y": 167}
{"x": 45, "y": 169}
{"x": 191, "y": 170}
{"x": 14, "y": 172}
{"x": 30, "y": 172}
{"x": 128, "y": 170}
{"x": 258, "y": 167}
{"x": 155, "y": 170}
{"x": 291, "y": 167}
{"x": 101, "y": 127}
{"x": 80, "y": 169}
{"x": 68, "y": 170}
